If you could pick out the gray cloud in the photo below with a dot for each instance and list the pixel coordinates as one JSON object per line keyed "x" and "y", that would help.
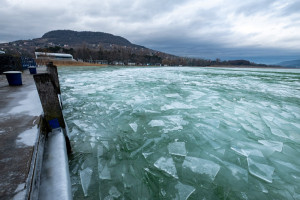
{"x": 206, "y": 28}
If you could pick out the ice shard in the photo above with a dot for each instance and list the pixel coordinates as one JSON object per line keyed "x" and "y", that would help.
{"x": 113, "y": 160}
{"x": 184, "y": 191}
{"x": 167, "y": 165}
{"x": 105, "y": 173}
{"x": 100, "y": 151}
{"x": 260, "y": 170}
{"x": 201, "y": 166}
{"x": 237, "y": 172}
{"x": 133, "y": 126}
{"x": 277, "y": 146}
{"x": 85, "y": 177}
{"x": 155, "y": 123}
{"x": 177, "y": 149}
{"x": 114, "y": 192}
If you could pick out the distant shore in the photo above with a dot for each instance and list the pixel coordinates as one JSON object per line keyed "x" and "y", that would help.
{"x": 250, "y": 66}
{"x": 67, "y": 63}
{"x": 79, "y": 63}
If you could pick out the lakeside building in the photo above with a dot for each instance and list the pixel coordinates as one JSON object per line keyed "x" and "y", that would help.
{"x": 131, "y": 64}
{"x": 103, "y": 62}
{"x": 54, "y": 56}
{"x": 118, "y": 63}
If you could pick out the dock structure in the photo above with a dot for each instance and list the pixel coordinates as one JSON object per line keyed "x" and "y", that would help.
{"x": 30, "y": 150}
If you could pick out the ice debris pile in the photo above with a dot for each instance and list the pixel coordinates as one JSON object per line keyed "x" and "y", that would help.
{"x": 183, "y": 133}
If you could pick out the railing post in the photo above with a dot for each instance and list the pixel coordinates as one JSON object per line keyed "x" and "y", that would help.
{"x": 52, "y": 70}
{"x": 49, "y": 99}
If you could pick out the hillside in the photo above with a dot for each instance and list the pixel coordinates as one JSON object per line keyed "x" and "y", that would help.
{"x": 291, "y": 63}
{"x": 69, "y": 39}
{"x": 75, "y": 38}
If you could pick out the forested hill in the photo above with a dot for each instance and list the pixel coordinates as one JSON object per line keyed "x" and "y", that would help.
{"x": 70, "y": 40}
{"x": 75, "y": 38}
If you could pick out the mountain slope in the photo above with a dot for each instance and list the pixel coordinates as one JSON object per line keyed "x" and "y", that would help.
{"x": 85, "y": 37}
{"x": 70, "y": 39}
{"x": 290, "y": 63}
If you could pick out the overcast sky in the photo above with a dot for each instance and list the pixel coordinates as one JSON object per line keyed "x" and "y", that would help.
{"x": 260, "y": 30}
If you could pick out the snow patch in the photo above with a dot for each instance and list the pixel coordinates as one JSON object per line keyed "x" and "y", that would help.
{"x": 30, "y": 104}
{"x": 20, "y": 195}
{"x": 20, "y": 187}
{"x": 28, "y": 137}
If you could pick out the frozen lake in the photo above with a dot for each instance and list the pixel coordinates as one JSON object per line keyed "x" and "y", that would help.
{"x": 183, "y": 133}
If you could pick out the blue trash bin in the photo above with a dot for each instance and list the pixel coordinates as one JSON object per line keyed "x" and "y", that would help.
{"x": 13, "y": 77}
{"x": 32, "y": 70}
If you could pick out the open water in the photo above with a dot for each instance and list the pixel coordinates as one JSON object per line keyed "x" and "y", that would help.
{"x": 183, "y": 132}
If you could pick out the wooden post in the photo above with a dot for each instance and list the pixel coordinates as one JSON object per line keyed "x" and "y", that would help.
{"x": 50, "y": 103}
{"x": 52, "y": 70}
{"x": 49, "y": 99}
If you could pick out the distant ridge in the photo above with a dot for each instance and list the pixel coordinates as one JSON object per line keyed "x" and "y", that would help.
{"x": 290, "y": 63}
{"x": 80, "y": 37}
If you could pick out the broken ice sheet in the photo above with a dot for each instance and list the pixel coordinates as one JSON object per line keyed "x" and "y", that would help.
{"x": 147, "y": 154}
{"x": 128, "y": 180}
{"x": 105, "y": 173}
{"x": 177, "y": 148}
{"x": 101, "y": 164}
{"x": 176, "y": 105}
{"x": 100, "y": 151}
{"x": 109, "y": 197}
{"x": 113, "y": 160}
{"x": 155, "y": 123}
{"x": 277, "y": 146}
{"x": 260, "y": 170}
{"x": 176, "y": 120}
{"x": 114, "y": 192}
{"x": 232, "y": 176}
{"x": 134, "y": 126}
{"x": 253, "y": 148}
{"x": 237, "y": 172}
{"x": 145, "y": 145}
{"x": 278, "y": 132}
{"x": 184, "y": 191}
{"x": 172, "y": 95}
{"x": 247, "y": 152}
{"x": 105, "y": 143}
{"x": 201, "y": 166}
{"x": 167, "y": 165}
{"x": 85, "y": 177}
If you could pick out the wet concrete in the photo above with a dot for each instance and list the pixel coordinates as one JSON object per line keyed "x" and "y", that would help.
{"x": 20, "y": 109}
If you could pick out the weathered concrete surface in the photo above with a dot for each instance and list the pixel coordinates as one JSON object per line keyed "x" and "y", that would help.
{"x": 20, "y": 109}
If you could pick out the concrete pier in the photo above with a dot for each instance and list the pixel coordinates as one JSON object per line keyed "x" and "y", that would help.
{"x": 33, "y": 160}
{"x": 20, "y": 111}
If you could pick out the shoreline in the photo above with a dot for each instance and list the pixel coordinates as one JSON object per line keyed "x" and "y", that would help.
{"x": 82, "y": 64}
{"x": 67, "y": 63}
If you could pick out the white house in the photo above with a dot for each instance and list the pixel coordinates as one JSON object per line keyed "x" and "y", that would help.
{"x": 53, "y": 56}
